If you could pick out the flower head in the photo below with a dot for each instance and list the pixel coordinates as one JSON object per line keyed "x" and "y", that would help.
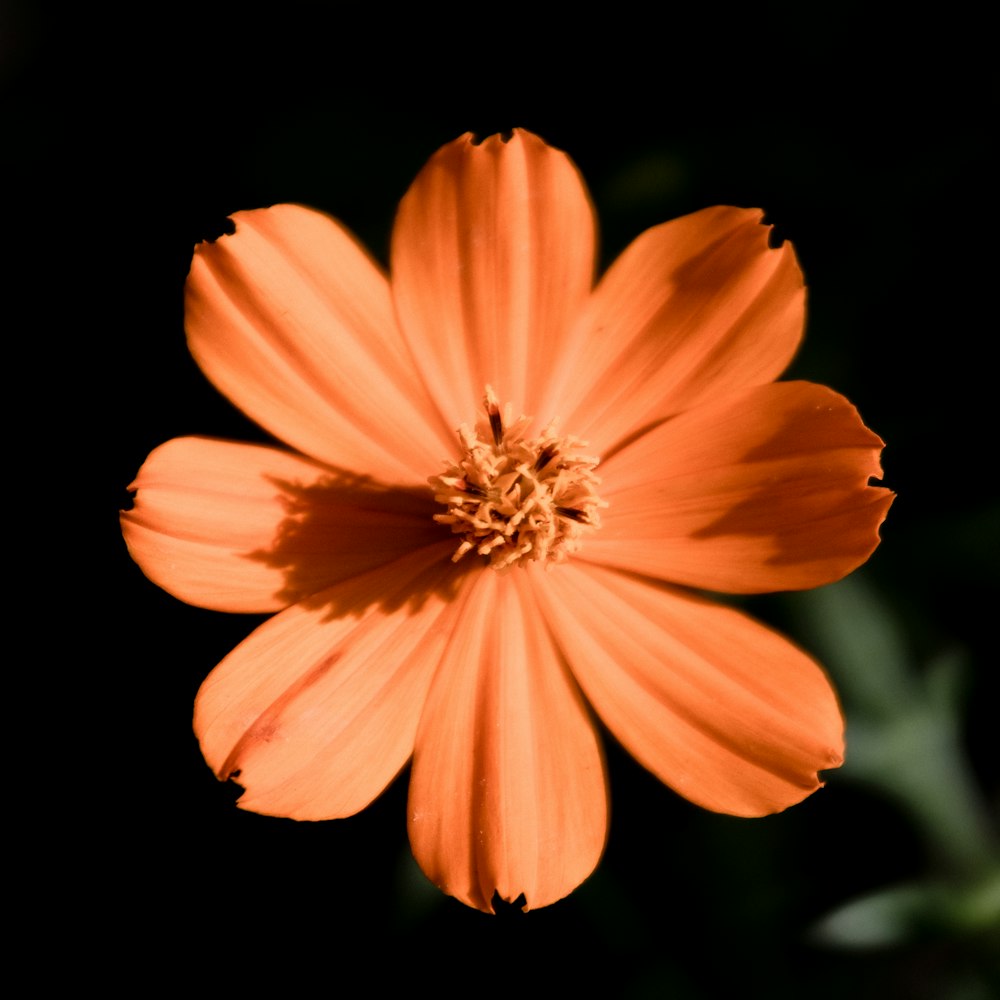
{"x": 502, "y": 478}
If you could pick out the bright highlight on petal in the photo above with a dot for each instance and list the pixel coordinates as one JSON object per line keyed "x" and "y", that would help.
{"x": 720, "y": 708}
{"x": 315, "y": 713}
{"x": 293, "y": 322}
{"x": 692, "y": 309}
{"x": 492, "y": 259}
{"x": 507, "y": 793}
{"x": 463, "y": 586}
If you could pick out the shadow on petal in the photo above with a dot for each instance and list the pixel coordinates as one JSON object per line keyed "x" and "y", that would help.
{"x": 809, "y": 512}
{"x": 343, "y": 526}
{"x": 762, "y": 490}
{"x": 317, "y": 710}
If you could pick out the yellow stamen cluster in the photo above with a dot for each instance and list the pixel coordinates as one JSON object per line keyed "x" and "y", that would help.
{"x": 515, "y": 499}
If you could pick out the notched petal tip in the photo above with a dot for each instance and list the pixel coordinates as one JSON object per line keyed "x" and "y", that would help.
{"x": 493, "y": 243}
{"x": 216, "y": 231}
{"x": 692, "y": 309}
{"x": 776, "y": 238}
{"x": 502, "y": 136}
{"x": 762, "y": 490}
{"x": 511, "y": 904}
{"x": 292, "y": 320}
{"x": 315, "y": 713}
{"x": 728, "y": 713}
{"x": 507, "y": 790}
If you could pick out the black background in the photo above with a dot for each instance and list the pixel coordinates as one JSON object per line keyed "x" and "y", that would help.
{"x": 131, "y": 136}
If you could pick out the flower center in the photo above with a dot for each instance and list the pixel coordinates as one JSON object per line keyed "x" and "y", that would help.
{"x": 517, "y": 499}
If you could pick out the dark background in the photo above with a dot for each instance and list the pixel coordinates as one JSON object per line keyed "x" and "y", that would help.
{"x": 131, "y": 137}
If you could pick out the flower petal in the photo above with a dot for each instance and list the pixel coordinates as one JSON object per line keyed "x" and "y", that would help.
{"x": 726, "y": 712}
{"x": 316, "y": 712}
{"x": 507, "y": 791}
{"x": 764, "y": 489}
{"x": 294, "y": 323}
{"x": 693, "y": 308}
{"x": 239, "y": 527}
{"x": 492, "y": 259}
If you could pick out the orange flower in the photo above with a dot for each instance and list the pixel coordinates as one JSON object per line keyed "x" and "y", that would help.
{"x": 472, "y": 625}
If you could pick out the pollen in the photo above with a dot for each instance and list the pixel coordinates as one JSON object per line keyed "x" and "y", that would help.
{"x": 515, "y": 499}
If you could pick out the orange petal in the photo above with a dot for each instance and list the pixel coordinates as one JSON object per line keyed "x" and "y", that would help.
{"x": 492, "y": 259}
{"x": 239, "y": 527}
{"x": 726, "y": 712}
{"x": 507, "y": 792}
{"x": 316, "y": 712}
{"x": 294, "y": 323}
{"x": 693, "y": 308}
{"x": 764, "y": 489}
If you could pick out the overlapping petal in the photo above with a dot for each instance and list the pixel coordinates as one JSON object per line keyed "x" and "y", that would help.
{"x": 507, "y": 791}
{"x": 294, "y": 323}
{"x": 723, "y": 710}
{"x": 316, "y": 712}
{"x": 240, "y": 527}
{"x": 713, "y": 478}
{"x": 762, "y": 489}
{"x": 692, "y": 309}
{"x": 493, "y": 256}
